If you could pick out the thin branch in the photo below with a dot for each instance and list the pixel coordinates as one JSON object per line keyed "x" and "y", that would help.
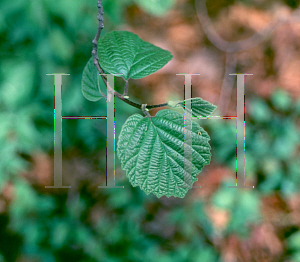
{"x": 96, "y": 63}
{"x": 241, "y": 45}
{"x": 136, "y": 105}
{"x": 145, "y": 110}
{"x": 100, "y": 27}
{"x": 96, "y": 39}
{"x": 155, "y": 106}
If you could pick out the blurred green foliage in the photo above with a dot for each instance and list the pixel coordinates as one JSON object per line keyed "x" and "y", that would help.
{"x": 157, "y": 8}
{"x": 89, "y": 224}
{"x": 271, "y": 144}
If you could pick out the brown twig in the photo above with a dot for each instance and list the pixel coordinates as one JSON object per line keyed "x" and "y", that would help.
{"x": 95, "y": 40}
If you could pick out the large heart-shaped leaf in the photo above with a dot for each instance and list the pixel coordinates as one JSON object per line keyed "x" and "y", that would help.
{"x": 151, "y": 150}
{"x": 123, "y": 52}
{"x": 199, "y": 106}
{"x": 89, "y": 82}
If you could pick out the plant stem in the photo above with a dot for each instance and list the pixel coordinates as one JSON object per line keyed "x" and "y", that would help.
{"x": 95, "y": 40}
{"x": 136, "y": 105}
{"x": 100, "y": 27}
{"x": 96, "y": 63}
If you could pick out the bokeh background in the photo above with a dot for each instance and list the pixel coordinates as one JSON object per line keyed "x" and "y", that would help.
{"x": 85, "y": 223}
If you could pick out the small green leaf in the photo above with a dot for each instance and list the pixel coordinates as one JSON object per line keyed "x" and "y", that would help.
{"x": 151, "y": 151}
{"x": 260, "y": 111}
{"x": 281, "y": 100}
{"x": 293, "y": 241}
{"x": 123, "y": 52}
{"x": 156, "y": 7}
{"x": 199, "y": 106}
{"x": 89, "y": 83}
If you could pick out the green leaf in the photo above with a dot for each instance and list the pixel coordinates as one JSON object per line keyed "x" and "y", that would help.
{"x": 293, "y": 241}
{"x": 89, "y": 83}
{"x": 260, "y": 111}
{"x": 123, "y": 52}
{"x": 156, "y": 7}
{"x": 114, "y": 10}
{"x": 281, "y": 100}
{"x": 151, "y": 151}
{"x": 199, "y": 106}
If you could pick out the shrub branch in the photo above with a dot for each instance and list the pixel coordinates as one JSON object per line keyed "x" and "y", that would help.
{"x": 101, "y": 72}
